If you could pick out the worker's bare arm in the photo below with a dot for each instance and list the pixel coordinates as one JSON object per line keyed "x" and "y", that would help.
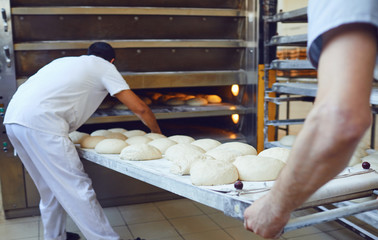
{"x": 340, "y": 116}
{"x": 136, "y": 105}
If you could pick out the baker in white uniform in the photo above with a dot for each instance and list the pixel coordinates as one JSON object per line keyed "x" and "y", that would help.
{"x": 57, "y": 100}
{"x": 342, "y": 43}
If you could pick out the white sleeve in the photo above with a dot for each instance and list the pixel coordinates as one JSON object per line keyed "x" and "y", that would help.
{"x": 113, "y": 81}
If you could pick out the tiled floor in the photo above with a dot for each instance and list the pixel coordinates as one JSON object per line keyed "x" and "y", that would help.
{"x": 180, "y": 219}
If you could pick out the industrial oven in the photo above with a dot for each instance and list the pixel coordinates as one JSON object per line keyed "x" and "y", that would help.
{"x": 192, "y": 47}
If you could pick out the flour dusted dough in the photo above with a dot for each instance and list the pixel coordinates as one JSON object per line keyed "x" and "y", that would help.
{"x": 181, "y": 138}
{"x": 372, "y": 158}
{"x": 154, "y": 136}
{"x": 213, "y": 172}
{"x": 77, "y": 137}
{"x": 373, "y": 165}
{"x": 140, "y": 152}
{"x": 162, "y": 144}
{"x": 206, "y": 143}
{"x": 138, "y": 140}
{"x": 288, "y": 140}
{"x": 121, "y": 130}
{"x": 133, "y": 133}
{"x": 255, "y": 168}
{"x": 226, "y": 155}
{"x": 196, "y": 101}
{"x": 183, "y": 155}
{"x": 91, "y": 141}
{"x": 116, "y": 135}
{"x": 100, "y": 132}
{"x": 276, "y": 152}
{"x": 243, "y": 148}
{"x": 110, "y": 146}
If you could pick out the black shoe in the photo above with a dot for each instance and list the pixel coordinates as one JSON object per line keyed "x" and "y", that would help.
{"x": 72, "y": 236}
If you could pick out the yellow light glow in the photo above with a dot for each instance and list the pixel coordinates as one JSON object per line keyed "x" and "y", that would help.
{"x": 235, "y": 89}
{"x": 235, "y": 118}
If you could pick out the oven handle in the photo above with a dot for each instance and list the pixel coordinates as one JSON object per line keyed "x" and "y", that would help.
{"x": 7, "y": 55}
{"x": 5, "y": 19}
{"x": 330, "y": 215}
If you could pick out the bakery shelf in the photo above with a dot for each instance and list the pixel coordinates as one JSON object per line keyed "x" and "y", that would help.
{"x": 285, "y": 122}
{"x": 295, "y": 16}
{"x": 166, "y": 112}
{"x": 291, "y": 64}
{"x": 294, "y": 40}
{"x": 306, "y": 89}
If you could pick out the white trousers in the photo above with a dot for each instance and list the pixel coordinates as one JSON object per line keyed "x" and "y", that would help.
{"x": 55, "y": 167}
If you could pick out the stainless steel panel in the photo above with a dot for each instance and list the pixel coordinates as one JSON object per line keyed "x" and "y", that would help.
{"x": 11, "y": 170}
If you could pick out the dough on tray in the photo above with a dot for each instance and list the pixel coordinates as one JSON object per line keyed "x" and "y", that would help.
{"x": 110, "y": 146}
{"x": 243, "y": 148}
{"x": 212, "y": 98}
{"x": 138, "y": 140}
{"x": 255, "y": 168}
{"x": 175, "y": 101}
{"x": 77, "y": 137}
{"x": 100, "y": 132}
{"x": 133, "y": 133}
{"x": 91, "y": 141}
{"x": 196, "y": 101}
{"x": 182, "y": 156}
{"x": 140, "y": 152}
{"x": 206, "y": 143}
{"x": 181, "y": 138}
{"x": 154, "y": 136}
{"x": 116, "y": 135}
{"x": 213, "y": 172}
{"x": 226, "y": 155}
{"x": 276, "y": 152}
{"x": 121, "y": 130}
{"x": 162, "y": 144}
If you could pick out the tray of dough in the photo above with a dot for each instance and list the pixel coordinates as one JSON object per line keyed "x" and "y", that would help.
{"x": 349, "y": 184}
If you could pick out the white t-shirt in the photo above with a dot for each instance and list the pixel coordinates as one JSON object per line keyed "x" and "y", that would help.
{"x": 62, "y": 95}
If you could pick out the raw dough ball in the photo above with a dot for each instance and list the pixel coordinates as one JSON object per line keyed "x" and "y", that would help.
{"x": 227, "y": 155}
{"x": 138, "y": 140}
{"x": 175, "y": 101}
{"x": 100, "y": 132}
{"x": 91, "y": 141}
{"x": 196, "y": 101}
{"x": 110, "y": 146}
{"x": 121, "y": 130}
{"x": 213, "y": 98}
{"x": 213, "y": 172}
{"x": 116, "y": 135}
{"x": 183, "y": 155}
{"x": 77, "y": 137}
{"x": 372, "y": 158}
{"x": 133, "y": 133}
{"x": 276, "y": 152}
{"x": 243, "y": 148}
{"x": 181, "y": 138}
{"x": 288, "y": 140}
{"x": 154, "y": 136}
{"x": 140, "y": 152}
{"x": 255, "y": 168}
{"x": 162, "y": 144}
{"x": 206, "y": 143}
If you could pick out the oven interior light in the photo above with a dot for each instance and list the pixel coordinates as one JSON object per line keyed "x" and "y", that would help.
{"x": 235, "y": 89}
{"x": 235, "y": 118}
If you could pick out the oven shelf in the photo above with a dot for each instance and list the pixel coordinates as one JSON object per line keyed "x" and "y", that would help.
{"x": 295, "y": 40}
{"x": 295, "y": 16}
{"x": 167, "y": 112}
{"x": 291, "y": 64}
{"x": 128, "y": 11}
